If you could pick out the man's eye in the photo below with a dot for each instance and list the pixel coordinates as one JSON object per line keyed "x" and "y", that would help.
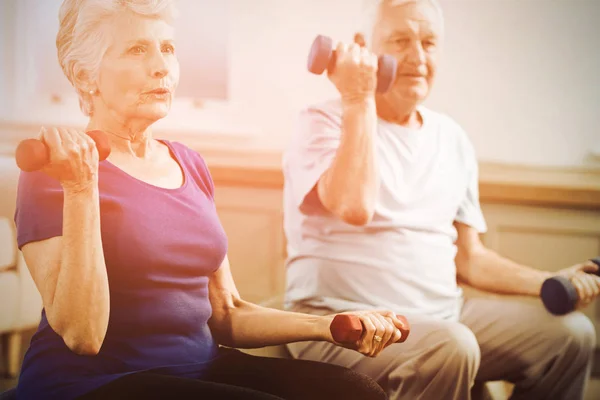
{"x": 137, "y": 50}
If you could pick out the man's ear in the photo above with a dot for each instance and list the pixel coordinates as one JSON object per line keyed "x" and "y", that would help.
{"x": 359, "y": 38}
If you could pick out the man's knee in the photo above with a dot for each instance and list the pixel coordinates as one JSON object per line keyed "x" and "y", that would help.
{"x": 463, "y": 347}
{"x": 577, "y": 332}
{"x": 457, "y": 351}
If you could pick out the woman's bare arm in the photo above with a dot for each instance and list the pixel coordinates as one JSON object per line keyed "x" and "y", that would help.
{"x": 69, "y": 270}
{"x": 238, "y": 323}
{"x": 70, "y": 273}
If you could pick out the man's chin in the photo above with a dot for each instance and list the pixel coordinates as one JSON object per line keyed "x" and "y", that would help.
{"x": 408, "y": 95}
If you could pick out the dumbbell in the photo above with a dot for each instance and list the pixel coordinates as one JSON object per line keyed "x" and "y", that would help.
{"x": 348, "y": 329}
{"x": 322, "y": 57}
{"x": 559, "y": 295}
{"x": 33, "y": 154}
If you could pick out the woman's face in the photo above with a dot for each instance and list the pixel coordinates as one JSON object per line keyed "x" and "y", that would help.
{"x": 139, "y": 72}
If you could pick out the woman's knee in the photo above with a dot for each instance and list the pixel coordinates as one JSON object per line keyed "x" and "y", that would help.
{"x": 349, "y": 384}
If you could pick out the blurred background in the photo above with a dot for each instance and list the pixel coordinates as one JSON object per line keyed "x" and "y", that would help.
{"x": 520, "y": 76}
{"x": 517, "y": 74}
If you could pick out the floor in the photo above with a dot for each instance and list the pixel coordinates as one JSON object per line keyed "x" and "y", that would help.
{"x": 593, "y": 391}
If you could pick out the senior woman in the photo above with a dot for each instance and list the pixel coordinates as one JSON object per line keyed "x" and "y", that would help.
{"x": 129, "y": 255}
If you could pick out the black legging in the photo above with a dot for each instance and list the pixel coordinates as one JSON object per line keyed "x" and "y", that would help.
{"x": 237, "y": 375}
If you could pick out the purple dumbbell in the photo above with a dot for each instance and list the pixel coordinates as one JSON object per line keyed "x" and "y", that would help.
{"x": 322, "y": 57}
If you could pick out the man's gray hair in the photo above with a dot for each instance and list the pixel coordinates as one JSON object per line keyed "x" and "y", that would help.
{"x": 370, "y": 12}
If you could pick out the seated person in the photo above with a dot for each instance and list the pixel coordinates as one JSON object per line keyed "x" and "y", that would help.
{"x": 129, "y": 255}
{"x": 382, "y": 211}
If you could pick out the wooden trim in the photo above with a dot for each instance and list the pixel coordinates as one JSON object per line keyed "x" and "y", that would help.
{"x": 566, "y": 187}
{"x": 247, "y": 176}
{"x": 498, "y": 183}
{"x": 503, "y": 193}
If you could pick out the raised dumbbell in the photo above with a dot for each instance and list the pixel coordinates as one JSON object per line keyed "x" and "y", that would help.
{"x": 348, "y": 329}
{"x": 322, "y": 57}
{"x": 33, "y": 154}
{"x": 559, "y": 295}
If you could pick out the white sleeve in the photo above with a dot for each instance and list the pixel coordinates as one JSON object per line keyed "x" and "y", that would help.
{"x": 311, "y": 151}
{"x": 469, "y": 211}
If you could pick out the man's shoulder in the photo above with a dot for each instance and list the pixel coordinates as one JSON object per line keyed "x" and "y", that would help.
{"x": 443, "y": 120}
{"x": 447, "y": 125}
{"x": 331, "y": 108}
{"x": 322, "y": 119}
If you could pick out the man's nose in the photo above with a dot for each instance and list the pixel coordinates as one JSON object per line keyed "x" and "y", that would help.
{"x": 416, "y": 53}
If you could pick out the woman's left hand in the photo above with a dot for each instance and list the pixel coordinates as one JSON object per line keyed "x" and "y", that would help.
{"x": 380, "y": 329}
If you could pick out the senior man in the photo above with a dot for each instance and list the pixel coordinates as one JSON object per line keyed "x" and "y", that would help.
{"x": 382, "y": 212}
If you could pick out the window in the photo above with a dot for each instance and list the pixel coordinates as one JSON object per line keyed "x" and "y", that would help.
{"x": 40, "y": 93}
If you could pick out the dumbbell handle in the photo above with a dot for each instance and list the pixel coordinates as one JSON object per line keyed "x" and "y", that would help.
{"x": 33, "y": 154}
{"x": 322, "y": 57}
{"x": 348, "y": 329}
{"x": 334, "y": 46}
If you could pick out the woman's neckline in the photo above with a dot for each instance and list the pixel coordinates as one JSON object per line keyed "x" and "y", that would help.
{"x": 174, "y": 155}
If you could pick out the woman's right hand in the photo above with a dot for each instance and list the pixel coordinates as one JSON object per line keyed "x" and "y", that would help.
{"x": 73, "y": 158}
{"x": 380, "y": 329}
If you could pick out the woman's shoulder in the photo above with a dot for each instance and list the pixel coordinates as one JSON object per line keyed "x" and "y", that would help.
{"x": 37, "y": 183}
{"x": 193, "y": 162}
{"x": 36, "y": 190}
{"x": 185, "y": 153}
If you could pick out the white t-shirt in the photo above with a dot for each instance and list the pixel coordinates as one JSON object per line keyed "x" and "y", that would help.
{"x": 403, "y": 260}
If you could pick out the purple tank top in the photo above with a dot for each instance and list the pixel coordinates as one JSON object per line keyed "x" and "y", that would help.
{"x": 160, "y": 247}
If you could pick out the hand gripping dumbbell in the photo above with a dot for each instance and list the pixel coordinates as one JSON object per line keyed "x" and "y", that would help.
{"x": 559, "y": 294}
{"x": 33, "y": 154}
{"x": 348, "y": 329}
{"x": 322, "y": 57}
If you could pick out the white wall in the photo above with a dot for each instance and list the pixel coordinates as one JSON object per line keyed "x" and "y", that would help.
{"x": 5, "y": 66}
{"x": 521, "y": 76}
{"x": 270, "y": 42}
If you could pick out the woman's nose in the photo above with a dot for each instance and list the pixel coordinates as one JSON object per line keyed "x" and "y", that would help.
{"x": 159, "y": 67}
{"x": 160, "y": 72}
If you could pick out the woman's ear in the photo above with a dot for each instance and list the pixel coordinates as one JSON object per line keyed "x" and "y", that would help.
{"x": 359, "y": 38}
{"x": 83, "y": 82}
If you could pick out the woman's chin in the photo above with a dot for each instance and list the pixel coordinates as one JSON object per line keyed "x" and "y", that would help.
{"x": 155, "y": 111}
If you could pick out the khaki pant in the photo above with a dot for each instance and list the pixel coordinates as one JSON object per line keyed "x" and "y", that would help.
{"x": 546, "y": 357}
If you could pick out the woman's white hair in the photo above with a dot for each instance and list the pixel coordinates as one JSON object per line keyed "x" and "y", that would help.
{"x": 81, "y": 41}
{"x": 371, "y": 8}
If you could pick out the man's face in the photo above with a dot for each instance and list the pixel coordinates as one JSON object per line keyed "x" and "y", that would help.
{"x": 412, "y": 33}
